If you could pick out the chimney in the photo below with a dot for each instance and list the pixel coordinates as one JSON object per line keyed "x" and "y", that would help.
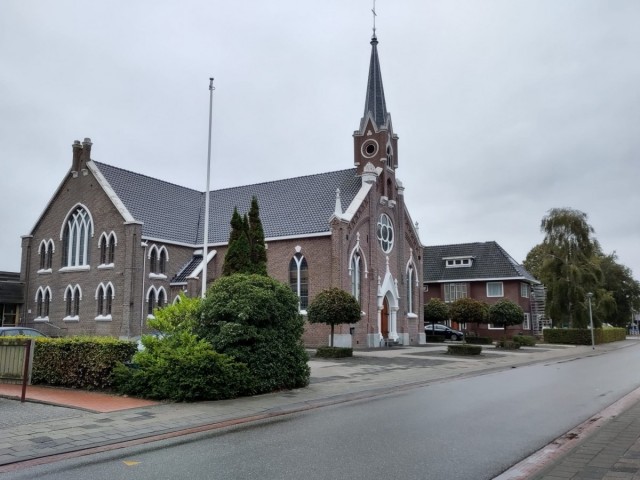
{"x": 77, "y": 153}
{"x": 86, "y": 150}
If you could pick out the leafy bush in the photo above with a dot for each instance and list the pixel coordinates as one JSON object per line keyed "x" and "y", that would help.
{"x": 181, "y": 367}
{"x": 525, "y": 340}
{"x": 507, "y": 344}
{"x": 334, "y": 352}
{"x": 505, "y": 313}
{"x": 464, "y": 349}
{"x": 469, "y": 310}
{"x": 254, "y": 319}
{"x": 79, "y": 362}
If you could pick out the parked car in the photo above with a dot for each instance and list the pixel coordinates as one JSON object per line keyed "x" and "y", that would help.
{"x": 442, "y": 330}
{"x": 16, "y": 331}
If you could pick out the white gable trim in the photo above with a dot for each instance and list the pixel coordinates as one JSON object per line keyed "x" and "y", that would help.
{"x": 110, "y": 192}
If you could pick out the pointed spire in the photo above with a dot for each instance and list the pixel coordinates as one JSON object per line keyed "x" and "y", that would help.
{"x": 338, "y": 209}
{"x": 375, "y": 103}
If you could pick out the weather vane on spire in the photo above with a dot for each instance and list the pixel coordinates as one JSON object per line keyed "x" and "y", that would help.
{"x": 373, "y": 10}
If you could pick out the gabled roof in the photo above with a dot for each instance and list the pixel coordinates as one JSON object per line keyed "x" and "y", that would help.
{"x": 490, "y": 261}
{"x": 11, "y": 288}
{"x": 291, "y": 207}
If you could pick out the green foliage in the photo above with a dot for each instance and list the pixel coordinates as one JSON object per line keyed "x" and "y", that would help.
{"x": 568, "y": 270}
{"x": 469, "y": 310}
{"x": 618, "y": 295}
{"x": 238, "y": 256}
{"x": 525, "y": 340}
{"x": 249, "y": 300}
{"x": 582, "y": 336}
{"x": 254, "y": 319}
{"x": 181, "y": 367}
{"x": 463, "y": 349}
{"x": 534, "y": 260}
{"x": 333, "y": 306}
{"x": 505, "y": 313}
{"x": 507, "y": 344}
{"x": 334, "y": 352}
{"x": 177, "y": 317}
{"x": 436, "y": 311}
{"x": 79, "y": 362}
{"x": 256, "y": 240}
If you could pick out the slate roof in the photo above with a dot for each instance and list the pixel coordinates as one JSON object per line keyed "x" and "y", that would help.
{"x": 491, "y": 261}
{"x": 188, "y": 269}
{"x": 289, "y": 207}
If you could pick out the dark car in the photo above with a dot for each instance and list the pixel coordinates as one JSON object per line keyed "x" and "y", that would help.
{"x": 444, "y": 331}
{"x": 20, "y": 331}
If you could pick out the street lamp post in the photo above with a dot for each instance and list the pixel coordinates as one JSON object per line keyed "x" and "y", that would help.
{"x": 593, "y": 343}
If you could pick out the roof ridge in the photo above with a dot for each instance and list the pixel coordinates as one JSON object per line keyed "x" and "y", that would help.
{"x": 99, "y": 164}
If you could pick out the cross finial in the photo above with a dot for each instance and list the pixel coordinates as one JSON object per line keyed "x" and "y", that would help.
{"x": 373, "y": 10}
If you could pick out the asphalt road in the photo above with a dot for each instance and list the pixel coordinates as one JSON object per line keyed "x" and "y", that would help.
{"x": 471, "y": 428}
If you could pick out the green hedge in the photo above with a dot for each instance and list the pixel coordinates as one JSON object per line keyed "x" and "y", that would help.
{"x": 464, "y": 349}
{"x": 525, "y": 340}
{"x": 582, "y": 336}
{"x": 479, "y": 340}
{"x": 507, "y": 344}
{"x": 334, "y": 352}
{"x": 79, "y": 362}
{"x": 435, "y": 339}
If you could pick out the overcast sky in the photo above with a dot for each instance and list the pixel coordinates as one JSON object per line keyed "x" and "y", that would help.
{"x": 504, "y": 108}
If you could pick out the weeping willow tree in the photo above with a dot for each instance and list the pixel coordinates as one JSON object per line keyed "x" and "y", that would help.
{"x": 569, "y": 267}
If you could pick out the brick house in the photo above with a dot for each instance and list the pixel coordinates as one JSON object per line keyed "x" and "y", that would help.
{"x": 111, "y": 245}
{"x": 483, "y": 271}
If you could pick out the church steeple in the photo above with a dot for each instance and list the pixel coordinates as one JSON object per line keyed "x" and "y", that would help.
{"x": 375, "y": 104}
{"x": 374, "y": 142}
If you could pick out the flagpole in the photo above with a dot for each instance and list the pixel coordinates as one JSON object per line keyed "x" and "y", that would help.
{"x": 205, "y": 242}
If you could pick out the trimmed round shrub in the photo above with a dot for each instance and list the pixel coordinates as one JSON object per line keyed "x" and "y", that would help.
{"x": 334, "y": 352}
{"x": 464, "y": 349}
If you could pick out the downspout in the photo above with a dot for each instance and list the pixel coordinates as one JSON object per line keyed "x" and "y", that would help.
{"x": 144, "y": 271}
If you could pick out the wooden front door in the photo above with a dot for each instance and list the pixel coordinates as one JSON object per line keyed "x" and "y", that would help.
{"x": 384, "y": 319}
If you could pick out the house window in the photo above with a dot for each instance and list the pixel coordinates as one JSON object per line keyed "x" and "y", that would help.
{"x": 46, "y": 254}
{"x": 299, "y": 279}
{"x": 495, "y": 289}
{"x": 411, "y": 278}
{"x": 72, "y": 297}
{"x": 75, "y": 239}
{"x": 107, "y": 248}
{"x": 526, "y": 324}
{"x": 384, "y": 233}
{"x": 457, "y": 262}
{"x": 454, "y": 291}
{"x": 356, "y": 275}
{"x": 524, "y": 290}
{"x": 43, "y": 300}
{"x": 104, "y": 298}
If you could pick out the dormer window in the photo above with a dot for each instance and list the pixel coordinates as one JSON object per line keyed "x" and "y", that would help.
{"x": 458, "y": 262}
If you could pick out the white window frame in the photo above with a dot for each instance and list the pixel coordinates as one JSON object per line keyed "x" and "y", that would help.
{"x": 526, "y": 322}
{"x": 524, "y": 290}
{"x": 490, "y": 284}
{"x": 385, "y": 233}
{"x": 299, "y": 258}
{"x": 41, "y": 301}
{"x": 79, "y": 227}
{"x": 461, "y": 290}
{"x": 101, "y": 317}
{"x": 70, "y": 293}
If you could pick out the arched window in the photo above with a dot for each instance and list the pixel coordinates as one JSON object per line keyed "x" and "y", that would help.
{"x": 356, "y": 275}
{"x": 107, "y": 248}
{"x": 104, "y": 300}
{"x": 162, "y": 261}
{"x": 43, "y": 299}
{"x": 75, "y": 238}
{"x": 299, "y": 279}
{"x": 156, "y": 298}
{"x": 411, "y": 278}
{"x": 153, "y": 260}
{"x": 72, "y": 297}
{"x": 158, "y": 258}
{"x": 46, "y": 254}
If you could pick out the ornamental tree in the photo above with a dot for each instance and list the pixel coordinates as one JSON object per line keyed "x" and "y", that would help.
{"x": 469, "y": 310}
{"x": 436, "y": 311}
{"x": 505, "y": 313}
{"x": 256, "y": 240}
{"x": 238, "y": 257}
{"x": 332, "y": 307}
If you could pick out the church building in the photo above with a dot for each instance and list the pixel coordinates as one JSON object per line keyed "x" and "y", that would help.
{"x": 113, "y": 245}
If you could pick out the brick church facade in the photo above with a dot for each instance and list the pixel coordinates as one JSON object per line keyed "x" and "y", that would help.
{"x": 112, "y": 245}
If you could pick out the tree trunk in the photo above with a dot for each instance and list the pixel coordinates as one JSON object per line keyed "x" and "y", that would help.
{"x": 331, "y": 335}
